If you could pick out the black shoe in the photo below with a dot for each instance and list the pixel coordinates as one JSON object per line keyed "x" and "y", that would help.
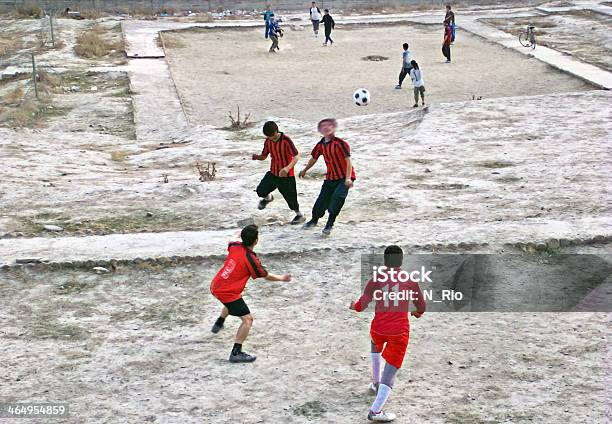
{"x": 216, "y": 328}
{"x": 298, "y": 219}
{"x": 264, "y": 202}
{"x": 328, "y": 229}
{"x": 241, "y": 357}
{"x": 310, "y": 224}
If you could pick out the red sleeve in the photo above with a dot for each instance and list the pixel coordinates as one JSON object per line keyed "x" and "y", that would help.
{"x": 254, "y": 266}
{"x": 266, "y": 149}
{"x": 290, "y": 147}
{"x": 419, "y": 302}
{"x": 316, "y": 152}
{"x": 366, "y": 297}
{"x": 346, "y": 150}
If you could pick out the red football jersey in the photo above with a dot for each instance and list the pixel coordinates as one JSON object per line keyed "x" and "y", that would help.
{"x": 240, "y": 264}
{"x": 391, "y": 314}
{"x": 281, "y": 151}
{"x": 335, "y": 153}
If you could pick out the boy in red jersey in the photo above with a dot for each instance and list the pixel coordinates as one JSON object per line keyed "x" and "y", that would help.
{"x": 280, "y": 176}
{"x": 390, "y": 327}
{"x": 227, "y": 286}
{"x": 338, "y": 179}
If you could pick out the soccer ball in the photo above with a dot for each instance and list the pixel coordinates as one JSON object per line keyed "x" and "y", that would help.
{"x": 361, "y": 97}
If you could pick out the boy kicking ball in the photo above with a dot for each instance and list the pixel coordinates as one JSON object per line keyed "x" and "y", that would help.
{"x": 390, "y": 328}
{"x": 338, "y": 179}
{"x": 280, "y": 176}
{"x": 227, "y": 286}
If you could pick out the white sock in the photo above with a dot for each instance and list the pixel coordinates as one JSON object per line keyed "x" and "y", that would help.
{"x": 375, "y": 367}
{"x": 381, "y": 398}
{"x": 268, "y": 197}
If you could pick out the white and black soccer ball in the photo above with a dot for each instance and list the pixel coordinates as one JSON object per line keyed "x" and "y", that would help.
{"x": 361, "y": 97}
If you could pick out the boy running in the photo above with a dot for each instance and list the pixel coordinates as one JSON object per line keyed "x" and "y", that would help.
{"x": 274, "y": 32}
{"x": 315, "y": 18}
{"x": 338, "y": 179}
{"x": 280, "y": 176}
{"x": 329, "y": 24}
{"x": 418, "y": 83}
{"x": 406, "y": 65}
{"x": 227, "y": 286}
{"x": 390, "y": 328}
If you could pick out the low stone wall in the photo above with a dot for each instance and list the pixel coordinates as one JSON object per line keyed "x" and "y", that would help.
{"x": 215, "y": 5}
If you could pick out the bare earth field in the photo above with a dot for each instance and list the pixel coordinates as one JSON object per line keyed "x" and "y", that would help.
{"x": 135, "y": 346}
{"x": 477, "y": 161}
{"x": 307, "y": 81}
{"x": 585, "y": 35}
{"x": 528, "y": 163}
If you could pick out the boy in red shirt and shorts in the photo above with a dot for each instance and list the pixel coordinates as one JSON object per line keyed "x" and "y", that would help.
{"x": 227, "y": 286}
{"x": 390, "y": 328}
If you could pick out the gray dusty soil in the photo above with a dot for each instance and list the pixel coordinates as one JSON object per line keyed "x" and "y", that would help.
{"x": 135, "y": 346}
{"x": 307, "y": 81}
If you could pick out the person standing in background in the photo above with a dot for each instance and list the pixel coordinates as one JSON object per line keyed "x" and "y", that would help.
{"x": 315, "y": 18}
{"x": 267, "y": 14}
{"x": 446, "y": 44}
{"x": 406, "y": 65}
{"x": 450, "y": 18}
{"x": 329, "y": 24}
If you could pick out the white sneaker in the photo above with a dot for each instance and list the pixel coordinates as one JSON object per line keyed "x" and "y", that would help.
{"x": 373, "y": 388}
{"x": 381, "y": 417}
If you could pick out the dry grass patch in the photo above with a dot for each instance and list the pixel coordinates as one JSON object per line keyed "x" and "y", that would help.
{"x": 29, "y": 11}
{"x": 11, "y": 43}
{"x": 93, "y": 44}
{"x": 14, "y": 97}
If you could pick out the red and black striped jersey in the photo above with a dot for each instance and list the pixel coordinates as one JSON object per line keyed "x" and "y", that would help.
{"x": 335, "y": 153}
{"x": 240, "y": 264}
{"x": 281, "y": 151}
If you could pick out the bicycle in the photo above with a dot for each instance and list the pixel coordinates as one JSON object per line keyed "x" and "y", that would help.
{"x": 528, "y": 38}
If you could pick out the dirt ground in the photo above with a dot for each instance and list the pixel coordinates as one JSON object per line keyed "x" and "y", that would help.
{"x": 585, "y": 35}
{"x": 499, "y": 160}
{"x": 135, "y": 346}
{"x": 307, "y": 81}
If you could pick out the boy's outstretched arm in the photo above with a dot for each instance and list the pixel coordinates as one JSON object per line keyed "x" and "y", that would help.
{"x": 285, "y": 171}
{"x": 365, "y": 299}
{"x": 264, "y": 153}
{"x": 275, "y": 277}
{"x": 309, "y": 165}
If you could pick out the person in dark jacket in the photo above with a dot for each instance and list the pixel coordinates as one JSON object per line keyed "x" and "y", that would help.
{"x": 329, "y": 24}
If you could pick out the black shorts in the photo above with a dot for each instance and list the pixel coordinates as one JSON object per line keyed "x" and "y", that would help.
{"x": 237, "y": 308}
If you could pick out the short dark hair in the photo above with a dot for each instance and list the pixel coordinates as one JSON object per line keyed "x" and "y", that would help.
{"x": 393, "y": 256}
{"x": 405, "y": 46}
{"x": 330, "y": 120}
{"x": 414, "y": 64}
{"x": 270, "y": 128}
{"x": 326, "y": 10}
{"x": 249, "y": 234}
